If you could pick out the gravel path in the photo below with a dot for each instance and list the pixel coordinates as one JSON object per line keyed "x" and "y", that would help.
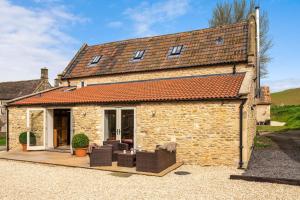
{"x": 281, "y": 160}
{"x": 33, "y": 181}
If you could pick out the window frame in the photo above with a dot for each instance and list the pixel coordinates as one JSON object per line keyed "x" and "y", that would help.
{"x": 95, "y": 60}
{"x": 176, "y": 50}
{"x": 139, "y": 54}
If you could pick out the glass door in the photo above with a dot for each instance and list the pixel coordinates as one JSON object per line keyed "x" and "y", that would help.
{"x": 110, "y": 125}
{"x": 127, "y": 126}
{"x": 119, "y": 124}
{"x": 36, "y": 129}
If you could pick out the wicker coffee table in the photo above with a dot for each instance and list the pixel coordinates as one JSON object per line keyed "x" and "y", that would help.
{"x": 126, "y": 159}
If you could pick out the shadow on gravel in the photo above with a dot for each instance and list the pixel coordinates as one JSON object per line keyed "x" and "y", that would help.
{"x": 288, "y": 142}
{"x": 280, "y": 161}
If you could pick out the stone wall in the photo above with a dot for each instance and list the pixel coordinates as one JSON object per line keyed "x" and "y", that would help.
{"x": 17, "y": 125}
{"x": 249, "y": 125}
{"x": 203, "y": 70}
{"x": 207, "y": 133}
{"x": 263, "y": 113}
{"x": 88, "y": 120}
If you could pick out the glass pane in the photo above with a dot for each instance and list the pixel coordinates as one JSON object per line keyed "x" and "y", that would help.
{"x": 110, "y": 124}
{"x": 36, "y": 127}
{"x": 127, "y": 126}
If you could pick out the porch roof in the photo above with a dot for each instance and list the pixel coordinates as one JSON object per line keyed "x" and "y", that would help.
{"x": 225, "y": 86}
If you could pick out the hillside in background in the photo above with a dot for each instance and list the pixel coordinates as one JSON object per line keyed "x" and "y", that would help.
{"x": 286, "y": 97}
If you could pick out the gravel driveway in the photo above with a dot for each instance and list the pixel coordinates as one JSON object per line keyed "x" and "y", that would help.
{"x": 33, "y": 181}
{"x": 281, "y": 160}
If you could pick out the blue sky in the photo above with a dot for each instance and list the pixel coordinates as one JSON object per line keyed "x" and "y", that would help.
{"x": 38, "y": 33}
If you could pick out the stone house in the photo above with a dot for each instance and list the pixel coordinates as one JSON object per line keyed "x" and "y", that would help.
{"x": 263, "y": 106}
{"x": 196, "y": 88}
{"x": 16, "y": 89}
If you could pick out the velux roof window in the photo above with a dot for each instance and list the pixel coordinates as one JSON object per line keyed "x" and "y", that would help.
{"x": 176, "y": 50}
{"x": 95, "y": 60}
{"x": 138, "y": 54}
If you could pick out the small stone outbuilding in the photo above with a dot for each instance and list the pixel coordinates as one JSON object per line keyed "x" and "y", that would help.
{"x": 263, "y": 107}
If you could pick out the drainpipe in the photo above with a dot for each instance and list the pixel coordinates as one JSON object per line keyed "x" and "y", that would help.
{"x": 241, "y": 163}
{"x": 258, "y": 50}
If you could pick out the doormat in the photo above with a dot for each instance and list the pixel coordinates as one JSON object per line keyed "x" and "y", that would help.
{"x": 119, "y": 174}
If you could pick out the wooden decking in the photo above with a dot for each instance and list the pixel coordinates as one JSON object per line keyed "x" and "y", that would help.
{"x": 68, "y": 160}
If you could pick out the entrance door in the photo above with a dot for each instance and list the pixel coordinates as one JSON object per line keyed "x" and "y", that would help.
{"x": 119, "y": 124}
{"x": 62, "y": 128}
{"x": 36, "y": 129}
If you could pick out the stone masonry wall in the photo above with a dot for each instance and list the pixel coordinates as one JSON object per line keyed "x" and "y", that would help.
{"x": 207, "y": 133}
{"x": 17, "y": 125}
{"x": 88, "y": 120}
{"x": 203, "y": 70}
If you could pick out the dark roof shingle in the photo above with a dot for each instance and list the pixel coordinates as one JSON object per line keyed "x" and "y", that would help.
{"x": 183, "y": 88}
{"x": 11, "y": 90}
{"x": 199, "y": 48}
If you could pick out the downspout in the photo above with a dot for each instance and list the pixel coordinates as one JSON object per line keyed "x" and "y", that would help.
{"x": 241, "y": 163}
{"x": 258, "y": 50}
{"x": 7, "y": 128}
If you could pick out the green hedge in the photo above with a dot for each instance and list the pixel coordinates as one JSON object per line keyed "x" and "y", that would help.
{"x": 23, "y": 138}
{"x": 80, "y": 141}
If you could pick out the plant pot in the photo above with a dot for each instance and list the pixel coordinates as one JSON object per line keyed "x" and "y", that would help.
{"x": 24, "y": 147}
{"x": 80, "y": 152}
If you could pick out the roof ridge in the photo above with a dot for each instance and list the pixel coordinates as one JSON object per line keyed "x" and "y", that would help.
{"x": 168, "y": 34}
{"x": 21, "y": 81}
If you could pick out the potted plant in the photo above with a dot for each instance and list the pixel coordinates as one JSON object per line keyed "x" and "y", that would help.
{"x": 80, "y": 142}
{"x": 23, "y": 140}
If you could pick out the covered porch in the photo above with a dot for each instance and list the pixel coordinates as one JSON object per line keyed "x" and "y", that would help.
{"x": 68, "y": 160}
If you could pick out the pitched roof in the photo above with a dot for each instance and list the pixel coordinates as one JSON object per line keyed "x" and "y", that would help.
{"x": 11, "y": 90}
{"x": 200, "y": 47}
{"x": 224, "y": 86}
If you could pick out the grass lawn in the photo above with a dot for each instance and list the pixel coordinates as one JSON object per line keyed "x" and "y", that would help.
{"x": 2, "y": 141}
{"x": 262, "y": 142}
{"x": 288, "y": 114}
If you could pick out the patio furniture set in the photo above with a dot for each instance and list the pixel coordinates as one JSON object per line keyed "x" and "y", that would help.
{"x": 144, "y": 161}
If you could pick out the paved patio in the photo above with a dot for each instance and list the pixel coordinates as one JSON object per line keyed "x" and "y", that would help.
{"x": 68, "y": 160}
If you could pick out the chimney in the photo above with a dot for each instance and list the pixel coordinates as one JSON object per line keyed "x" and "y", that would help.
{"x": 57, "y": 81}
{"x": 44, "y": 73}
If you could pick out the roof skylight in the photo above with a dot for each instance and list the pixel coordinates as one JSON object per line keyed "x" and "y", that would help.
{"x": 95, "y": 60}
{"x": 139, "y": 54}
{"x": 176, "y": 50}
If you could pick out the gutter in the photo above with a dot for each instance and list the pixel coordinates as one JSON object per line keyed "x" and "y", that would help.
{"x": 241, "y": 163}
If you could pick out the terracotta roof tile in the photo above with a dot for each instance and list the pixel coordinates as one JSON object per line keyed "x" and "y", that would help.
{"x": 184, "y": 88}
{"x": 199, "y": 48}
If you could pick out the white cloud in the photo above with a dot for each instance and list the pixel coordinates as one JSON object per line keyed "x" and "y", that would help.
{"x": 115, "y": 24}
{"x": 34, "y": 38}
{"x": 283, "y": 84}
{"x": 146, "y": 15}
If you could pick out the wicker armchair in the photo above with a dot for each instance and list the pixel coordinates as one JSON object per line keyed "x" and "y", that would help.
{"x": 154, "y": 162}
{"x": 101, "y": 156}
{"x": 117, "y": 147}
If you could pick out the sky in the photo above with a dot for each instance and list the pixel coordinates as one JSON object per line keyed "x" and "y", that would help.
{"x": 48, "y": 33}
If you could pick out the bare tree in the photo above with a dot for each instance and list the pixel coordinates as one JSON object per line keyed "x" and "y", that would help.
{"x": 239, "y": 10}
